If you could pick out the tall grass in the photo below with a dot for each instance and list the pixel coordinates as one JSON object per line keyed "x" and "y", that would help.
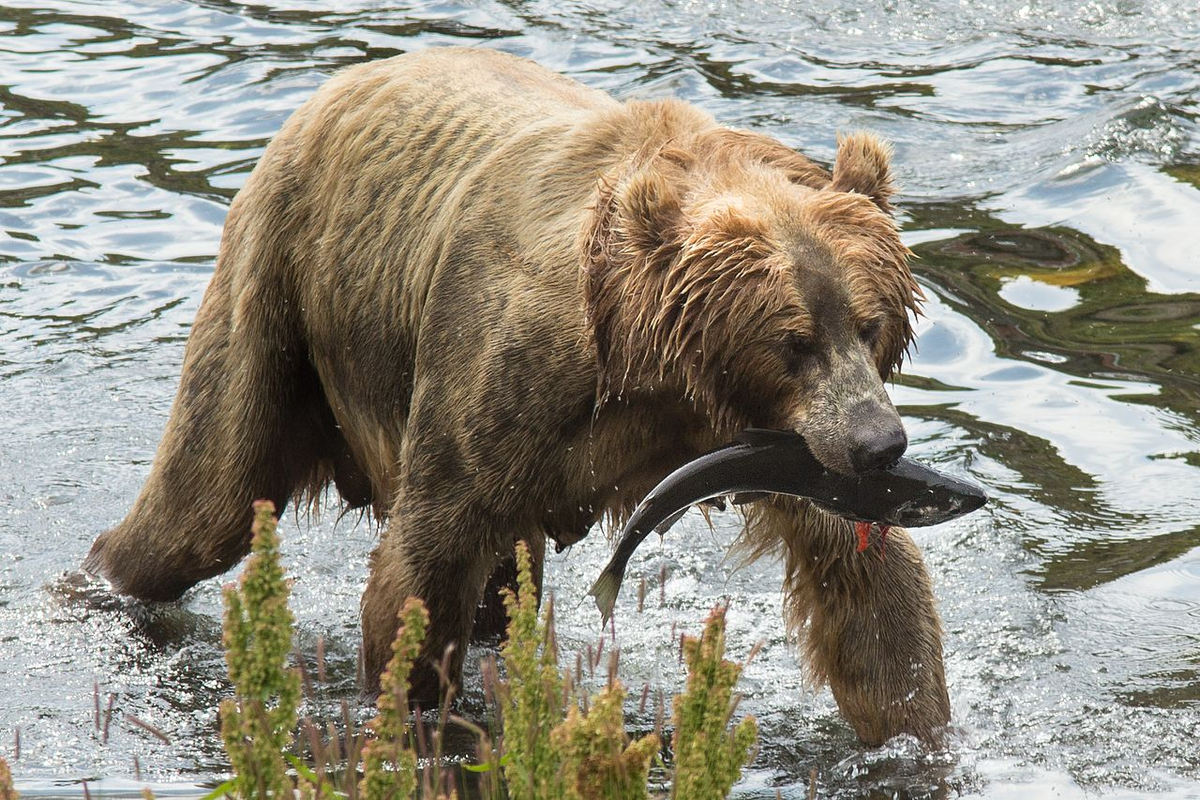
{"x": 708, "y": 756}
{"x": 389, "y": 761}
{"x": 559, "y": 743}
{"x": 257, "y": 722}
{"x": 549, "y": 739}
{"x": 552, "y": 740}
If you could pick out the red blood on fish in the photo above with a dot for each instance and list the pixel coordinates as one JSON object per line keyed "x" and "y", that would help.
{"x": 863, "y": 529}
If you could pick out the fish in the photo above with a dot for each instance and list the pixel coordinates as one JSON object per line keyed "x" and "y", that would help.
{"x": 760, "y": 462}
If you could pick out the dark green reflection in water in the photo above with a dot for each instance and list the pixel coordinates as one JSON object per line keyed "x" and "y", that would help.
{"x": 1116, "y": 329}
{"x": 1093, "y": 562}
{"x": 1043, "y": 475}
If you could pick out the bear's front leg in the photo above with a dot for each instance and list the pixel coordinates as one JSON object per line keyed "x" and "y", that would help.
{"x": 443, "y": 558}
{"x": 872, "y": 629}
{"x": 491, "y": 617}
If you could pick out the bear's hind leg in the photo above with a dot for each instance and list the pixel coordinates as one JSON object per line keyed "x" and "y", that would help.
{"x": 247, "y": 423}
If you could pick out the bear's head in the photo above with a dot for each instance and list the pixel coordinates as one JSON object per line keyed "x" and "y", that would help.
{"x": 768, "y": 291}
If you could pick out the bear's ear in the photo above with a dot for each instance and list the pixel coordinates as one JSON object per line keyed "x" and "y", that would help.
{"x": 635, "y": 234}
{"x": 864, "y": 165}
{"x": 648, "y": 213}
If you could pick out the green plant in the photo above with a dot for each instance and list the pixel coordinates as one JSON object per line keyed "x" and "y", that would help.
{"x": 7, "y": 791}
{"x": 393, "y": 736}
{"x": 257, "y": 722}
{"x": 532, "y": 698}
{"x": 587, "y": 754}
{"x": 598, "y": 758}
{"x": 708, "y": 757}
{"x": 555, "y": 741}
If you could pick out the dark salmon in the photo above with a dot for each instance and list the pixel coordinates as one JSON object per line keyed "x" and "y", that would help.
{"x": 780, "y": 462}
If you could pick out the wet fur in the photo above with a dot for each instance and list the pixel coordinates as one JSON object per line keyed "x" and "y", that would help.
{"x": 865, "y": 620}
{"x": 489, "y": 304}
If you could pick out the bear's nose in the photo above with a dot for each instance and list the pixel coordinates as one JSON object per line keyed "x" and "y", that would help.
{"x": 877, "y": 438}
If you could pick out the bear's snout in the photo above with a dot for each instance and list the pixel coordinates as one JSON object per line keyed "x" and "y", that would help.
{"x": 877, "y": 437}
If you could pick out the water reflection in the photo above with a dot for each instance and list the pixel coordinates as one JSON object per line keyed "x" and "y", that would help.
{"x": 1116, "y": 326}
{"x": 1141, "y": 211}
{"x": 1090, "y": 563}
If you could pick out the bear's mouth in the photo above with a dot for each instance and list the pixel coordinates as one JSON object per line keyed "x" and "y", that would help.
{"x": 780, "y": 462}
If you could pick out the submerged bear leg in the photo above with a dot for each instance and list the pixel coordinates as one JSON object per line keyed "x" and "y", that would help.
{"x": 247, "y": 423}
{"x": 872, "y": 631}
{"x": 447, "y": 568}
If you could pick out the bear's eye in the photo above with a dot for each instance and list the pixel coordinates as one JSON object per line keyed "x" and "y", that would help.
{"x": 870, "y": 331}
{"x": 796, "y": 351}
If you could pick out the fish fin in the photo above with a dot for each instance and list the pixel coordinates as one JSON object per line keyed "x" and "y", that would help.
{"x": 666, "y": 524}
{"x": 605, "y": 591}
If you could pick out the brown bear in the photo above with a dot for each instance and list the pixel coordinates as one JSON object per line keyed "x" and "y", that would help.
{"x": 492, "y": 304}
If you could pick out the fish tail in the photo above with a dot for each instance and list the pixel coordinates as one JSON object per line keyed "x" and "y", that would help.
{"x": 605, "y": 591}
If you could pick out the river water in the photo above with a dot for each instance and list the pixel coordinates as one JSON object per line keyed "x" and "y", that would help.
{"x": 1049, "y": 153}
